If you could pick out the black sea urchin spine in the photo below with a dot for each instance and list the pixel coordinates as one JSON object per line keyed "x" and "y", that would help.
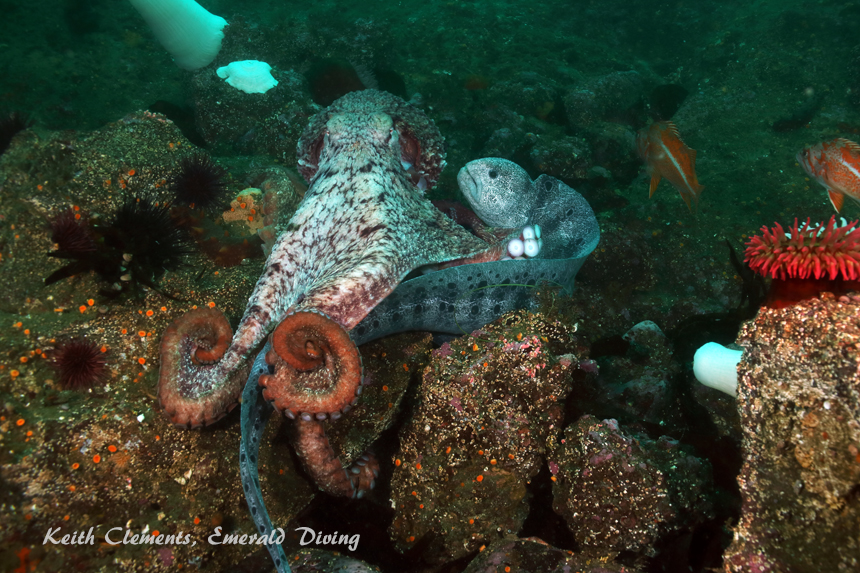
{"x": 146, "y": 240}
{"x": 199, "y": 182}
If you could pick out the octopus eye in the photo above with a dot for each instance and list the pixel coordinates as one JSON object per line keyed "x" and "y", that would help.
{"x": 493, "y": 174}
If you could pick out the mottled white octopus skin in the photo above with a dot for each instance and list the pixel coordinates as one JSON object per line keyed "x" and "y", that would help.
{"x": 362, "y": 226}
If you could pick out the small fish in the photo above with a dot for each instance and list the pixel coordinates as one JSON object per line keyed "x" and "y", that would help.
{"x": 660, "y": 146}
{"x": 836, "y": 165}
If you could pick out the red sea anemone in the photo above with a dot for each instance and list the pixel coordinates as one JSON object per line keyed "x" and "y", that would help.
{"x": 806, "y": 260}
{"x": 80, "y": 364}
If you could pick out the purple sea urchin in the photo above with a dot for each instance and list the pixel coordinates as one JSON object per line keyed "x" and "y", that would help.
{"x": 74, "y": 239}
{"x": 80, "y": 364}
{"x": 72, "y": 234}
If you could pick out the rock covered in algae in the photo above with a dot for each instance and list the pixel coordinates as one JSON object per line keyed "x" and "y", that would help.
{"x": 488, "y": 402}
{"x": 645, "y": 370}
{"x": 106, "y": 457}
{"x": 799, "y": 399}
{"x": 252, "y": 123}
{"x": 623, "y": 492}
{"x": 532, "y": 555}
{"x": 319, "y": 561}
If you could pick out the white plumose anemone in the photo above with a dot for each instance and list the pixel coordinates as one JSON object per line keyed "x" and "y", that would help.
{"x": 250, "y": 76}
{"x": 188, "y": 31}
{"x": 716, "y": 366}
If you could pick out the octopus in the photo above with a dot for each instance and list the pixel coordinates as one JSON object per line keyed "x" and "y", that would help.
{"x": 451, "y": 298}
{"x": 362, "y": 226}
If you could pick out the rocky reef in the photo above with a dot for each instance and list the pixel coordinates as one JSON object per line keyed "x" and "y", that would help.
{"x": 799, "y": 402}
{"x": 488, "y": 403}
{"x": 622, "y": 492}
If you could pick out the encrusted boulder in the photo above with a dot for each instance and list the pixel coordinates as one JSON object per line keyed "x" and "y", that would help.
{"x": 532, "y": 555}
{"x": 320, "y": 561}
{"x": 566, "y": 158}
{"x": 602, "y": 97}
{"x": 232, "y": 120}
{"x": 620, "y": 491}
{"x": 488, "y": 403}
{"x": 799, "y": 400}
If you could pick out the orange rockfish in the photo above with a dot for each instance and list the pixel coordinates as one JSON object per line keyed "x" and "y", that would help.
{"x": 660, "y": 146}
{"x": 836, "y": 165}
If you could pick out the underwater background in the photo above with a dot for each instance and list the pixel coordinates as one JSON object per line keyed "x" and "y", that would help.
{"x": 102, "y": 125}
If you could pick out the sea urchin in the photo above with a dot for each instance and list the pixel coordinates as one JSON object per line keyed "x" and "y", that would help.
{"x": 71, "y": 232}
{"x": 199, "y": 182}
{"x": 79, "y": 363}
{"x": 806, "y": 260}
{"x": 148, "y": 241}
{"x": 133, "y": 247}
{"x": 73, "y": 237}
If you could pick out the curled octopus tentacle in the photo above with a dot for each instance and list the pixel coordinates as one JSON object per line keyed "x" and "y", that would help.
{"x": 317, "y": 368}
{"x": 195, "y": 342}
{"x": 317, "y": 374}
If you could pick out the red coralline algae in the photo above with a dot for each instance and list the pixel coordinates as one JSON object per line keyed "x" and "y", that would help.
{"x": 808, "y": 251}
{"x": 807, "y": 260}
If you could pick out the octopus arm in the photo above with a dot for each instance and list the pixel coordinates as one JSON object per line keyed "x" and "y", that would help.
{"x": 201, "y": 375}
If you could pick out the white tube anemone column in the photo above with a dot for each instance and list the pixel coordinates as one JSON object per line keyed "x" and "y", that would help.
{"x": 188, "y": 31}
{"x": 716, "y": 366}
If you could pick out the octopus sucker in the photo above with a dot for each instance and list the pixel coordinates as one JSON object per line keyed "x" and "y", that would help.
{"x": 317, "y": 368}
{"x": 189, "y": 388}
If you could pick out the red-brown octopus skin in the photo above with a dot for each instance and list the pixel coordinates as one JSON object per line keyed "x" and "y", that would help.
{"x": 362, "y": 226}
{"x": 199, "y": 337}
{"x": 316, "y": 374}
{"x": 317, "y": 368}
{"x": 324, "y": 467}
